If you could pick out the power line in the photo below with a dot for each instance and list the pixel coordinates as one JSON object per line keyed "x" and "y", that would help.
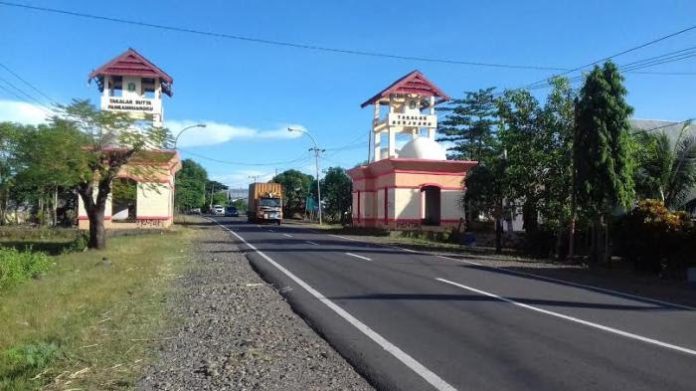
{"x": 626, "y": 51}
{"x": 24, "y": 96}
{"x": 295, "y": 45}
{"x": 635, "y": 66}
{"x": 299, "y": 159}
{"x": 13, "y": 73}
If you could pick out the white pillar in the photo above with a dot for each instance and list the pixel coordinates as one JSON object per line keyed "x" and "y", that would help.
{"x": 378, "y": 145}
{"x": 392, "y": 142}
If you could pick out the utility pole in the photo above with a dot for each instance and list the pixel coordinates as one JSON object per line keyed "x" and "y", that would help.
{"x": 254, "y": 178}
{"x": 317, "y": 152}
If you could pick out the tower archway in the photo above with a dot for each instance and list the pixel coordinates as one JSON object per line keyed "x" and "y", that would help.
{"x": 432, "y": 205}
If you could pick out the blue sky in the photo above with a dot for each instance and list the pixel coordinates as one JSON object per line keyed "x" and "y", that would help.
{"x": 249, "y": 92}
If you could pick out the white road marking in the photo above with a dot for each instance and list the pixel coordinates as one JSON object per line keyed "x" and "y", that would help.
{"x": 345, "y": 238}
{"x": 408, "y": 250}
{"x": 270, "y": 230}
{"x": 312, "y": 243}
{"x": 574, "y": 319}
{"x": 288, "y": 235}
{"x": 399, "y": 354}
{"x": 459, "y": 260}
{"x": 358, "y": 256}
{"x": 578, "y": 285}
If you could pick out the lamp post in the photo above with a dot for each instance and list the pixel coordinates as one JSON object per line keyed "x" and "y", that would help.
{"x": 176, "y": 140}
{"x": 317, "y": 151}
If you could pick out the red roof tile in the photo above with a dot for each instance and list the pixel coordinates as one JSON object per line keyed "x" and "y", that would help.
{"x": 413, "y": 83}
{"x": 132, "y": 63}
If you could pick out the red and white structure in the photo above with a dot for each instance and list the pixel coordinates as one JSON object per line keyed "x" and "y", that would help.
{"x": 132, "y": 84}
{"x": 414, "y": 186}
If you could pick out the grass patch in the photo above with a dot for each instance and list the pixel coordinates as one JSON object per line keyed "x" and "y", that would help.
{"x": 89, "y": 323}
{"x": 18, "y": 266}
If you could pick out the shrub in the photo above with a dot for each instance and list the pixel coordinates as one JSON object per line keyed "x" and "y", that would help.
{"x": 653, "y": 237}
{"x": 540, "y": 242}
{"x": 23, "y": 362}
{"x": 17, "y": 266}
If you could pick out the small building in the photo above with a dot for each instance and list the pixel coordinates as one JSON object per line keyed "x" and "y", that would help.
{"x": 132, "y": 84}
{"x": 408, "y": 182}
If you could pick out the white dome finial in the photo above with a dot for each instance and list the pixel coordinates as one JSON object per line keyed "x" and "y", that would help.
{"x": 423, "y": 148}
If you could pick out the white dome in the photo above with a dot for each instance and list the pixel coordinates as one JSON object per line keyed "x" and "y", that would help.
{"x": 423, "y": 148}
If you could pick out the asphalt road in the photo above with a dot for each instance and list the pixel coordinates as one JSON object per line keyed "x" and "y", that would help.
{"x": 416, "y": 321}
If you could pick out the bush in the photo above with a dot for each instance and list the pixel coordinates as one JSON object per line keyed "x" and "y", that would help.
{"x": 32, "y": 356}
{"x": 17, "y": 266}
{"x": 654, "y": 238}
{"x": 540, "y": 242}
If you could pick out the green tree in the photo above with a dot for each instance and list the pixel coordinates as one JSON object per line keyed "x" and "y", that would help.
{"x": 602, "y": 151}
{"x": 470, "y": 125}
{"x": 10, "y": 136}
{"x": 337, "y": 194}
{"x": 666, "y": 168}
{"x": 49, "y": 163}
{"x": 190, "y": 186}
{"x": 296, "y": 188}
{"x": 214, "y": 194}
{"x": 99, "y": 144}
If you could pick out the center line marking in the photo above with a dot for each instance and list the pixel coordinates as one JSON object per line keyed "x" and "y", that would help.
{"x": 312, "y": 243}
{"x": 425, "y": 373}
{"x": 358, "y": 256}
{"x": 574, "y": 319}
{"x": 270, "y": 230}
{"x": 288, "y": 235}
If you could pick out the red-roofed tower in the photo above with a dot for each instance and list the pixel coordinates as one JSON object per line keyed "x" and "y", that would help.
{"x": 406, "y": 106}
{"x": 131, "y": 83}
{"x": 413, "y": 187}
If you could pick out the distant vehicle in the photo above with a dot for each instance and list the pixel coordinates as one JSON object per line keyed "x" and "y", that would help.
{"x": 231, "y": 211}
{"x": 218, "y": 210}
{"x": 265, "y": 203}
{"x": 194, "y": 211}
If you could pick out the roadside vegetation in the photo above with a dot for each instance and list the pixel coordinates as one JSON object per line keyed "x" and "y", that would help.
{"x": 86, "y": 320}
{"x": 587, "y": 187}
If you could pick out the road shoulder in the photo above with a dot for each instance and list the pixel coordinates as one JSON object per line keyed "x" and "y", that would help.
{"x": 234, "y": 331}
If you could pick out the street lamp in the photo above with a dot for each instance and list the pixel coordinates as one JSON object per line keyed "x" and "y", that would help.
{"x": 317, "y": 151}
{"x": 176, "y": 140}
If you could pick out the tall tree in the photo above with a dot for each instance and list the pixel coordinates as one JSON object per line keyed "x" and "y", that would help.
{"x": 666, "y": 167}
{"x": 602, "y": 150}
{"x": 470, "y": 125}
{"x": 100, "y": 143}
{"x": 522, "y": 140}
{"x": 49, "y": 163}
{"x": 10, "y": 139}
{"x": 296, "y": 188}
{"x": 336, "y": 191}
{"x": 190, "y": 186}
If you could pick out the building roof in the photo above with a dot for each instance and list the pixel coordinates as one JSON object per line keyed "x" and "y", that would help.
{"x": 413, "y": 83}
{"x": 132, "y": 63}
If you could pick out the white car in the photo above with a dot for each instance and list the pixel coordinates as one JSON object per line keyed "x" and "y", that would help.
{"x": 218, "y": 210}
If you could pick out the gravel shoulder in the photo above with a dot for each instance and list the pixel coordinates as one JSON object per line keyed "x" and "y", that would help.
{"x": 232, "y": 331}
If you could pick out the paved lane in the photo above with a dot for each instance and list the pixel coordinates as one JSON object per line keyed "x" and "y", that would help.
{"x": 473, "y": 327}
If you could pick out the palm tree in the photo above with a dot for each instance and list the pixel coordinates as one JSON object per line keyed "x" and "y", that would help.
{"x": 666, "y": 167}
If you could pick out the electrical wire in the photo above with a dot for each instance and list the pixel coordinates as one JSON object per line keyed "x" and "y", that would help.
{"x": 299, "y": 159}
{"x": 295, "y": 45}
{"x": 30, "y": 85}
{"x": 620, "y": 53}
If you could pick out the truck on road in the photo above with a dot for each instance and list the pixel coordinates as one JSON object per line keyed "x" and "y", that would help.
{"x": 265, "y": 203}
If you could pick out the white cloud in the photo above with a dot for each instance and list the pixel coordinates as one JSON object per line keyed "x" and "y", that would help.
{"x": 22, "y": 112}
{"x": 218, "y": 133}
{"x": 241, "y": 178}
